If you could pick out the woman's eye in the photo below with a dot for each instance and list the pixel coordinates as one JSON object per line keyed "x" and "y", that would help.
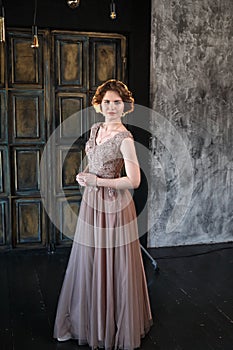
{"x": 117, "y": 103}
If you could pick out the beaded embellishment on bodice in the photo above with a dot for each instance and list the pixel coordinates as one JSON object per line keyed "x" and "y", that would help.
{"x": 105, "y": 159}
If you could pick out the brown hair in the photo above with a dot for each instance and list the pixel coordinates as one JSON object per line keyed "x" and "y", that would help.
{"x": 116, "y": 86}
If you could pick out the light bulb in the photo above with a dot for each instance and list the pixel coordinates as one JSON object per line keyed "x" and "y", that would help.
{"x": 2, "y": 30}
{"x": 2, "y": 25}
{"x": 35, "y": 40}
{"x": 73, "y": 3}
{"x": 112, "y": 10}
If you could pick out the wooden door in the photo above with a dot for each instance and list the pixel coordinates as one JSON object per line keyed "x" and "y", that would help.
{"x": 39, "y": 90}
{"x": 26, "y": 123}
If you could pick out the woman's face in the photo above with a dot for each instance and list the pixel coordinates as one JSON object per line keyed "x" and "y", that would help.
{"x": 112, "y": 106}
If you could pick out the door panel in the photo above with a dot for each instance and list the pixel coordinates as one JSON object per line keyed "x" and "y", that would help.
{"x": 70, "y": 161}
{"x": 70, "y": 53}
{"x": 4, "y": 172}
{"x": 68, "y": 209}
{"x": 26, "y": 170}
{"x": 3, "y": 127}
{"x": 28, "y": 220}
{"x": 2, "y": 190}
{"x": 68, "y": 104}
{"x": 106, "y": 59}
{"x": 25, "y": 63}
{"x": 27, "y": 117}
{"x": 2, "y": 66}
{"x": 4, "y": 222}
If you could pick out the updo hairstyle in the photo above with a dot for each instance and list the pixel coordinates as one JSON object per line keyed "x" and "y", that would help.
{"x": 116, "y": 86}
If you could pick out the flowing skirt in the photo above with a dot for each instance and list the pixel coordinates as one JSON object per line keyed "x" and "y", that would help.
{"x": 104, "y": 299}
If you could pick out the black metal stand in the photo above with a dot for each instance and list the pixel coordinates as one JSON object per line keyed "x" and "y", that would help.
{"x": 153, "y": 261}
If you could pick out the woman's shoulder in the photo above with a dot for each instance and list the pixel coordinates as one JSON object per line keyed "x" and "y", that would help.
{"x": 95, "y": 127}
{"x": 126, "y": 134}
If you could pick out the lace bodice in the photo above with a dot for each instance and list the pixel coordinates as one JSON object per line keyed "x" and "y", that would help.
{"x": 105, "y": 159}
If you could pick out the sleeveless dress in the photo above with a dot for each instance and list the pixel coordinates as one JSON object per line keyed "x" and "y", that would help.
{"x": 104, "y": 299}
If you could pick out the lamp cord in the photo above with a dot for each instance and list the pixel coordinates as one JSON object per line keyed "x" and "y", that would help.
{"x": 2, "y": 9}
{"x": 35, "y": 13}
{"x": 209, "y": 251}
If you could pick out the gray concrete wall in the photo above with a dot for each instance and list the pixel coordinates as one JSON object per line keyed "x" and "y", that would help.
{"x": 192, "y": 91}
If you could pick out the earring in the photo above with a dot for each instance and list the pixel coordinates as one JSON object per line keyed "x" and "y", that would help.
{"x": 97, "y": 108}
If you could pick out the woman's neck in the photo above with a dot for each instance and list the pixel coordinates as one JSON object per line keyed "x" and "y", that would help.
{"x": 108, "y": 125}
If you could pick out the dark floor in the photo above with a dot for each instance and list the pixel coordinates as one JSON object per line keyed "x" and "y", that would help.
{"x": 191, "y": 299}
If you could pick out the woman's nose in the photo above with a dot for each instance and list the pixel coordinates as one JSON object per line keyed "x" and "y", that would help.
{"x": 111, "y": 105}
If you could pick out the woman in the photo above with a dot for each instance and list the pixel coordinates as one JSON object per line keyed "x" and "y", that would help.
{"x": 104, "y": 299}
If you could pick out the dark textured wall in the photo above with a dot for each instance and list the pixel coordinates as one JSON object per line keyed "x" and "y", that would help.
{"x": 192, "y": 87}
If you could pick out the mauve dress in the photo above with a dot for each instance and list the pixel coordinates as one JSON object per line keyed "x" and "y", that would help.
{"x": 104, "y": 299}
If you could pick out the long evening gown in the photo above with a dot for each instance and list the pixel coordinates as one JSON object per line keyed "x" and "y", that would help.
{"x": 104, "y": 299}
